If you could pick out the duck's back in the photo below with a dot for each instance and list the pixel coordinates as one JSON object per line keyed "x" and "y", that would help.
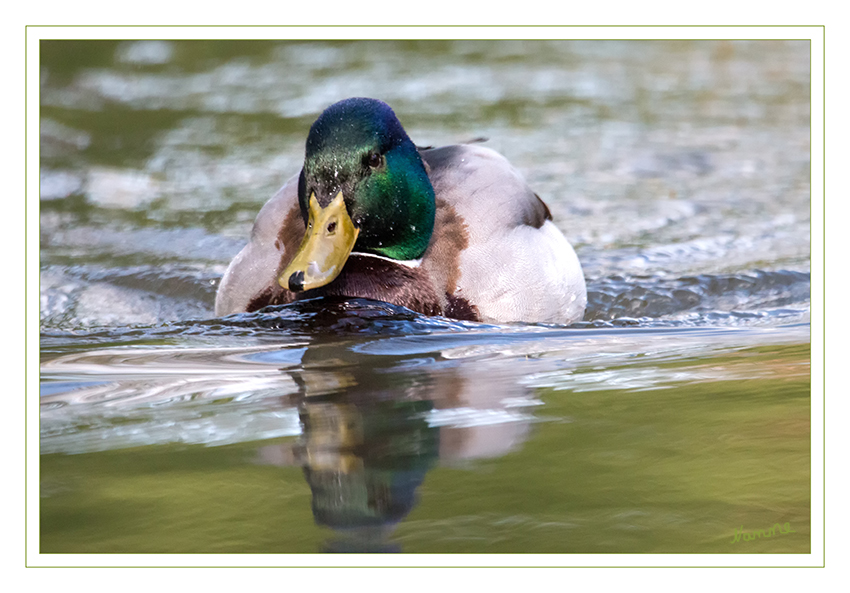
{"x": 250, "y": 281}
{"x": 514, "y": 264}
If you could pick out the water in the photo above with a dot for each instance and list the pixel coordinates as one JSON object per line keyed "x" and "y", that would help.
{"x": 675, "y": 414}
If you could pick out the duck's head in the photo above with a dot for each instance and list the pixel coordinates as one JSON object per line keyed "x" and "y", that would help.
{"x": 363, "y": 188}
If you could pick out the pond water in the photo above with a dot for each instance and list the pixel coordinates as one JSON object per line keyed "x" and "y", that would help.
{"x": 670, "y": 420}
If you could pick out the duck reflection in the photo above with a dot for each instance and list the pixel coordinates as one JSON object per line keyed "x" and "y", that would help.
{"x": 363, "y": 463}
{"x": 371, "y": 434}
{"x": 368, "y": 406}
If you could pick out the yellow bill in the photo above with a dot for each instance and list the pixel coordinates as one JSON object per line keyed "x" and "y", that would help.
{"x": 327, "y": 243}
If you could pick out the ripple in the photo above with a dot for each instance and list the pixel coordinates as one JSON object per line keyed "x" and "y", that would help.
{"x": 340, "y": 316}
{"x": 659, "y": 297}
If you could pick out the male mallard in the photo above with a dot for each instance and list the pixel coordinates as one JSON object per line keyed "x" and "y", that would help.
{"x": 452, "y": 231}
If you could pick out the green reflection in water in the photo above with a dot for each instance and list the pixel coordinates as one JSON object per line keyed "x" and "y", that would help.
{"x": 665, "y": 471}
{"x": 674, "y": 470}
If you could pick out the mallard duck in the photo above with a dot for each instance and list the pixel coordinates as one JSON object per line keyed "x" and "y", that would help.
{"x": 452, "y": 231}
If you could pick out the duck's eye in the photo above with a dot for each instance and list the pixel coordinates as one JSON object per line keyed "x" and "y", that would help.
{"x": 374, "y": 160}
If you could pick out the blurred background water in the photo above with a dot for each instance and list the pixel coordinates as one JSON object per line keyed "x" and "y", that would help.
{"x": 675, "y": 414}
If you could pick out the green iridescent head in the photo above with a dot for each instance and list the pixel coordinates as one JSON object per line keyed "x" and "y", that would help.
{"x": 363, "y": 188}
{"x": 359, "y": 147}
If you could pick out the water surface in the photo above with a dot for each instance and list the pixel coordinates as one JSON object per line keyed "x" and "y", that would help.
{"x": 675, "y": 414}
